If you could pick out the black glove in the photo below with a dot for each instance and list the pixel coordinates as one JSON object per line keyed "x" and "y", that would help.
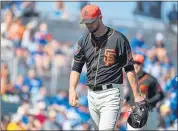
{"x": 139, "y": 114}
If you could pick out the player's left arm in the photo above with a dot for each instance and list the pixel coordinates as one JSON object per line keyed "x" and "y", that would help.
{"x": 159, "y": 95}
{"x": 127, "y": 60}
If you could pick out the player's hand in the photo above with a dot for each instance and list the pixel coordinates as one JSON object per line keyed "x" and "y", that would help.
{"x": 139, "y": 98}
{"x": 73, "y": 98}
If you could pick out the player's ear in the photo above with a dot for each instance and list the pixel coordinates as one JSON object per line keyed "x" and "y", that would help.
{"x": 100, "y": 17}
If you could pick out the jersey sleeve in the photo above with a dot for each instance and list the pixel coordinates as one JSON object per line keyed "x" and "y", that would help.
{"x": 79, "y": 57}
{"x": 159, "y": 95}
{"x": 125, "y": 53}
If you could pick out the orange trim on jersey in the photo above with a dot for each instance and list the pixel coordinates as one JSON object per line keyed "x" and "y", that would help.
{"x": 142, "y": 79}
{"x": 143, "y": 94}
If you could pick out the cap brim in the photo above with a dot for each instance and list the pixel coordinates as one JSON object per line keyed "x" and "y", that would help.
{"x": 87, "y": 21}
{"x": 137, "y": 62}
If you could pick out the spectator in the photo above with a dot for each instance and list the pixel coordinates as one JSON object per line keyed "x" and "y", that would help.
{"x": 32, "y": 81}
{"x": 172, "y": 94}
{"x": 165, "y": 116}
{"x": 6, "y": 25}
{"x": 28, "y": 37}
{"x": 60, "y": 59}
{"x": 151, "y": 64}
{"x": 51, "y": 124}
{"x": 16, "y": 123}
{"x": 6, "y": 85}
{"x": 173, "y": 15}
{"x": 20, "y": 8}
{"x": 31, "y": 121}
{"x": 42, "y": 60}
{"x": 25, "y": 93}
{"x": 160, "y": 49}
{"x": 41, "y": 96}
{"x": 16, "y": 32}
{"x": 4, "y": 121}
{"x": 167, "y": 70}
{"x": 61, "y": 99}
{"x": 19, "y": 83}
{"x": 16, "y": 8}
{"x": 41, "y": 115}
{"x": 6, "y": 47}
{"x": 40, "y": 36}
{"x": 138, "y": 44}
{"x": 23, "y": 111}
{"x": 50, "y": 48}
{"x": 60, "y": 7}
{"x": 28, "y": 9}
{"x": 61, "y": 114}
{"x": 83, "y": 112}
{"x": 157, "y": 55}
{"x": 60, "y": 10}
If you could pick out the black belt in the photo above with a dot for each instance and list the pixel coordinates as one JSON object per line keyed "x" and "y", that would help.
{"x": 100, "y": 88}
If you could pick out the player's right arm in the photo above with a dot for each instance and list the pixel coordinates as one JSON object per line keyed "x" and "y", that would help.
{"x": 73, "y": 97}
{"x": 74, "y": 78}
{"x": 78, "y": 62}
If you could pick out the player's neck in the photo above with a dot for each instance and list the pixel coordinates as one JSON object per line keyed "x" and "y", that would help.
{"x": 140, "y": 74}
{"x": 101, "y": 31}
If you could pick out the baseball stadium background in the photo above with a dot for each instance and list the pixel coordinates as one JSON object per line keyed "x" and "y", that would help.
{"x": 37, "y": 43}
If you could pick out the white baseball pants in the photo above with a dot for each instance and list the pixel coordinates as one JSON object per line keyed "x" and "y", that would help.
{"x": 105, "y": 107}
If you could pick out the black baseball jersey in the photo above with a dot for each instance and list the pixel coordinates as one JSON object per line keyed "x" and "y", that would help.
{"x": 105, "y": 57}
{"x": 150, "y": 87}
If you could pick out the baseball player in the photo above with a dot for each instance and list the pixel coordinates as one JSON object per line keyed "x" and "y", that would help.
{"x": 150, "y": 90}
{"x": 106, "y": 53}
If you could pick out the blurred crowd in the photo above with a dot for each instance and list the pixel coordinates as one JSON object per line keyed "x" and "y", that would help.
{"x": 38, "y": 52}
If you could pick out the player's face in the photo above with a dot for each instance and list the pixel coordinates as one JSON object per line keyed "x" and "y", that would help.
{"x": 93, "y": 27}
{"x": 137, "y": 67}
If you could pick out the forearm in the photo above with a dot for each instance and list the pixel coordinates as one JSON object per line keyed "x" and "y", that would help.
{"x": 158, "y": 97}
{"x": 74, "y": 78}
{"x": 132, "y": 78}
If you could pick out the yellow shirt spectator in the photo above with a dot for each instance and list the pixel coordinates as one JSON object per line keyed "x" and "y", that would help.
{"x": 14, "y": 126}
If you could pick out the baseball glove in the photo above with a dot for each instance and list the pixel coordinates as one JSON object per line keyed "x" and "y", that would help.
{"x": 139, "y": 114}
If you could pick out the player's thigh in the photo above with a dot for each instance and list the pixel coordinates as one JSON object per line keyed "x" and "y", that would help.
{"x": 108, "y": 120}
{"x": 94, "y": 113}
{"x": 110, "y": 111}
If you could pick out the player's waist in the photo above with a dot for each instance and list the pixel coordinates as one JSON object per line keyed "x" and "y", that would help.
{"x": 102, "y": 87}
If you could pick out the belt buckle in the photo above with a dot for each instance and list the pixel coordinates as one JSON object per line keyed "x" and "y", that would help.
{"x": 104, "y": 87}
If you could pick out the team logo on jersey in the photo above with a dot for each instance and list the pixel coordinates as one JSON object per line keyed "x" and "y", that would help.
{"x": 109, "y": 57}
{"x": 77, "y": 49}
{"x": 144, "y": 90}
